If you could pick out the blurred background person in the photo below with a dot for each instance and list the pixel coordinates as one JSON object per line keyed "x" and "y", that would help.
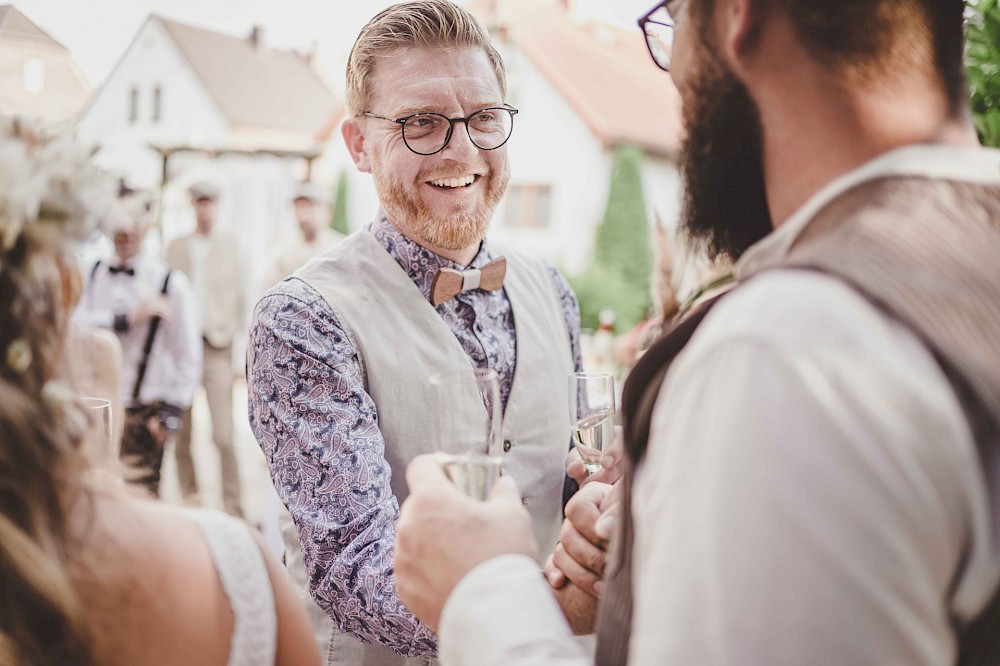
{"x": 211, "y": 259}
{"x": 312, "y": 215}
{"x": 150, "y": 309}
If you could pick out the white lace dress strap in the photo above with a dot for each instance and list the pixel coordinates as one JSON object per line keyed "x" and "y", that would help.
{"x": 244, "y": 577}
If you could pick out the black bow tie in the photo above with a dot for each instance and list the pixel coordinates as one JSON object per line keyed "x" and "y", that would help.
{"x": 115, "y": 270}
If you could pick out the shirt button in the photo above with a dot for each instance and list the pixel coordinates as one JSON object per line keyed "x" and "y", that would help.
{"x": 507, "y": 445}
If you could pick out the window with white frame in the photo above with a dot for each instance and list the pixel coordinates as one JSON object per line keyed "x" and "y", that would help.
{"x": 133, "y": 104}
{"x": 157, "y": 103}
{"x": 528, "y": 206}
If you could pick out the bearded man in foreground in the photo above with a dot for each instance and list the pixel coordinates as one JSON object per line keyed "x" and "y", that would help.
{"x": 814, "y": 455}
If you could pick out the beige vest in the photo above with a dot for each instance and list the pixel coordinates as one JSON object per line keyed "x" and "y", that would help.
{"x": 402, "y": 341}
{"x": 224, "y": 274}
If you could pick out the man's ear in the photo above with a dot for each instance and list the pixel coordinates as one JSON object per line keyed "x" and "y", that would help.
{"x": 355, "y": 139}
{"x": 739, "y": 26}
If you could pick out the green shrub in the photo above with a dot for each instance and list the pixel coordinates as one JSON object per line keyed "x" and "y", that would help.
{"x": 618, "y": 276}
{"x": 338, "y": 217}
{"x": 623, "y": 237}
{"x": 982, "y": 66}
{"x": 604, "y": 288}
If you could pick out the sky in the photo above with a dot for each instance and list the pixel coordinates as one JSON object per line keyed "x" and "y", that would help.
{"x": 97, "y": 32}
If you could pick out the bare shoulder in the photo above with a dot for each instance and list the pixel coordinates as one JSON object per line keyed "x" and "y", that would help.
{"x": 105, "y": 343}
{"x": 150, "y": 580}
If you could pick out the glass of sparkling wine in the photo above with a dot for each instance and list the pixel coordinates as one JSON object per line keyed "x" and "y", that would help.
{"x": 468, "y": 425}
{"x": 99, "y": 410}
{"x": 592, "y": 413}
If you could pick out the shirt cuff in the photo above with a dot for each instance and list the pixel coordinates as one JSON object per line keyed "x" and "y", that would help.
{"x": 503, "y": 612}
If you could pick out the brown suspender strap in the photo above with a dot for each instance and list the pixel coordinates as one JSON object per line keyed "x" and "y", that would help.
{"x": 638, "y": 399}
{"x": 154, "y": 326}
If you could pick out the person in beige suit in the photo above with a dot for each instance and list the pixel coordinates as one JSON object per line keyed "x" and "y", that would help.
{"x": 312, "y": 216}
{"x": 217, "y": 271}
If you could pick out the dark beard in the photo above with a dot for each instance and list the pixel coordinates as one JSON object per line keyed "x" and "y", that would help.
{"x": 725, "y": 203}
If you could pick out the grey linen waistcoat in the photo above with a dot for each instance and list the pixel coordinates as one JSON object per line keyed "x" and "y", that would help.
{"x": 927, "y": 253}
{"x": 401, "y": 341}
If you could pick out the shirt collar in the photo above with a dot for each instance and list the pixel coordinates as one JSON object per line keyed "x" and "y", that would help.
{"x": 418, "y": 262}
{"x": 962, "y": 163}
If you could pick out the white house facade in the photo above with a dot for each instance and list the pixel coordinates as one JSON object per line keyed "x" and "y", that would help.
{"x": 217, "y": 106}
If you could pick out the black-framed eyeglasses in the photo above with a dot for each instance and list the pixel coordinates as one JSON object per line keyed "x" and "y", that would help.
{"x": 429, "y": 133}
{"x": 658, "y": 28}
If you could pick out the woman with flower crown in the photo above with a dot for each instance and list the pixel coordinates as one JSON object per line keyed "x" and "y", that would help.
{"x": 89, "y": 572}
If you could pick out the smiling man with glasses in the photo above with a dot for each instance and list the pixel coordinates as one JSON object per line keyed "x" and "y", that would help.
{"x": 341, "y": 353}
{"x": 814, "y": 456}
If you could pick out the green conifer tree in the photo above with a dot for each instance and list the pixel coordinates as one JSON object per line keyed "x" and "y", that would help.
{"x": 623, "y": 237}
{"x": 338, "y": 218}
{"x": 982, "y": 63}
{"x": 618, "y": 277}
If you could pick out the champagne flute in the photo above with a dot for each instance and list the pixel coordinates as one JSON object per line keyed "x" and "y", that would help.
{"x": 592, "y": 413}
{"x": 468, "y": 428}
{"x": 99, "y": 411}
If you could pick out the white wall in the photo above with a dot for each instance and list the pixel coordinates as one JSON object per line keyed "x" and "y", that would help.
{"x": 188, "y": 115}
{"x": 552, "y": 145}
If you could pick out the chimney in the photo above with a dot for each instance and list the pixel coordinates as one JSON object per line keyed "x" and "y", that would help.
{"x": 256, "y": 37}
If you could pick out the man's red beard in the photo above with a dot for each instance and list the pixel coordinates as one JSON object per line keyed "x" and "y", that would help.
{"x": 458, "y": 229}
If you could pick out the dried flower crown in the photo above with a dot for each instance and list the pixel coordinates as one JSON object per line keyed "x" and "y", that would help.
{"x": 52, "y": 195}
{"x": 47, "y": 180}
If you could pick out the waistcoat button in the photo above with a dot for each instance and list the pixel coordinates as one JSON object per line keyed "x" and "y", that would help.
{"x": 507, "y": 445}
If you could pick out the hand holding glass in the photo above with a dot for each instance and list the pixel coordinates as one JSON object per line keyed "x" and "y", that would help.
{"x": 468, "y": 422}
{"x": 592, "y": 413}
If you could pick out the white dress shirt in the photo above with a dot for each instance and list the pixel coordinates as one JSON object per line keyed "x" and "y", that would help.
{"x": 810, "y": 487}
{"x": 174, "y": 369}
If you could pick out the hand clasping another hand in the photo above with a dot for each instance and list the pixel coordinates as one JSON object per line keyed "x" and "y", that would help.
{"x": 581, "y": 554}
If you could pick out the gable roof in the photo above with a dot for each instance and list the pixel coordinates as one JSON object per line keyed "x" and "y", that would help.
{"x": 254, "y": 85}
{"x": 603, "y": 72}
{"x": 15, "y": 25}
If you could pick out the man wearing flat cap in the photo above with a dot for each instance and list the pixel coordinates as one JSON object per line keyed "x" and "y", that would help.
{"x": 312, "y": 214}
{"x": 212, "y": 261}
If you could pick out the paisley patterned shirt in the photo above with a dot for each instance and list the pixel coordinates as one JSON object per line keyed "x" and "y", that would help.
{"x": 309, "y": 410}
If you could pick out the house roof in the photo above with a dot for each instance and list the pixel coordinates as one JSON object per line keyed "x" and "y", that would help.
{"x": 15, "y": 25}
{"x": 603, "y": 72}
{"x": 252, "y": 84}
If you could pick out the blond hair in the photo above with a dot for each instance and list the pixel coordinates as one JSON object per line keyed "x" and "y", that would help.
{"x": 418, "y": 24}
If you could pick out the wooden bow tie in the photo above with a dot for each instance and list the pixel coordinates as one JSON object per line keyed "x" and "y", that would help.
{"x": 448, "y": 283}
